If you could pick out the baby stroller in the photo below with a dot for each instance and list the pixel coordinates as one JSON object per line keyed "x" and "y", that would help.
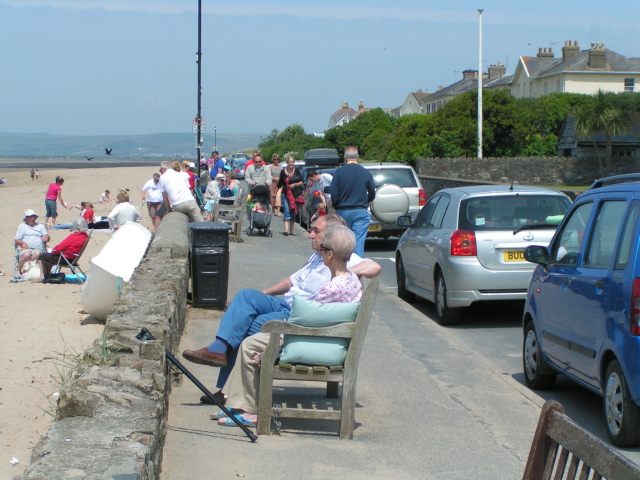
{"x": 260, "y": 214}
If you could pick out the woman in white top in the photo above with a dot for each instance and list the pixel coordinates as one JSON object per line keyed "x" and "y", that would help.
{"x": 152, "y": 194}
{"x": 123, "y": 212}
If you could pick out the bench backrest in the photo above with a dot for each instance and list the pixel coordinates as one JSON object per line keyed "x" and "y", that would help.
{"x": 563, "y": 449}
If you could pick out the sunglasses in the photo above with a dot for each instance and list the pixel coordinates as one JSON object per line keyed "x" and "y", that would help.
{"x": 325, "y": 249}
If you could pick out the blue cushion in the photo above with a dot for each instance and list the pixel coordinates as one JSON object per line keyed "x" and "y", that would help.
{"x": 317, "y": 350}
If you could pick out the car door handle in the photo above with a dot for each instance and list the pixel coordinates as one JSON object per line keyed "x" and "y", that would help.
{"x": 600, "y": 284}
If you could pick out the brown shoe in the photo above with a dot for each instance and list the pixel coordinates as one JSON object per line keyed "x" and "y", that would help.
{"x": 219, "y": 396}
{"x": 206, "y": 357}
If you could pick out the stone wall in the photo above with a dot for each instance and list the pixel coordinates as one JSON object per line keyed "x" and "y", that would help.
{"x": 112, "y": 412}
{"x": 530, "y": 171}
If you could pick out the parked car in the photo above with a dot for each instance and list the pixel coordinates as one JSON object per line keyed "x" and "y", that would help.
{"x": 238, "y": 167}
{"x": 398, "y": 193}
{"x": 582, "y": 313}
{"x": 467, "y": 245}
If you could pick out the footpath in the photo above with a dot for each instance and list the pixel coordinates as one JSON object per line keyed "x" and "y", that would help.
{"x": 427, "y": 405}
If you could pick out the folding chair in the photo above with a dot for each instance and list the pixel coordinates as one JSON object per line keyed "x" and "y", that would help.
{"x": 72, "y": 264}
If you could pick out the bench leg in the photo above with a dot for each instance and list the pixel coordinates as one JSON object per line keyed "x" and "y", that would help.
{"x": 332, "y": 389}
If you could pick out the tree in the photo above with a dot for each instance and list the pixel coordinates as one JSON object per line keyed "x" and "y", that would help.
{"x": 607, "y": 116}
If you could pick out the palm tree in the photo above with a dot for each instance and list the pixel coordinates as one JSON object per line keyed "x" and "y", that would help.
{"x": 603, "y": 116}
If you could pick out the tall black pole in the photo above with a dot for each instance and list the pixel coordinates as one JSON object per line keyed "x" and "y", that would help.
{"x": 199, "y": 61}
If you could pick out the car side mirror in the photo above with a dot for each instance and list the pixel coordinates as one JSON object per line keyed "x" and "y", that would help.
{"x": 404, "y": 221}
{"x": 536, "y": 254}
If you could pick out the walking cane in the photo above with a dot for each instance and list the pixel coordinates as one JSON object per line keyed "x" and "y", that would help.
{"x": 146, "y": 335}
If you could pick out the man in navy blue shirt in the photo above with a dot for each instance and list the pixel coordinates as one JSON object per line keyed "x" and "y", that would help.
{"x": 352, "y": 189}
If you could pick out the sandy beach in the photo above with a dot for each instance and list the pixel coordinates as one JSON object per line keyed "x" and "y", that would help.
{"x": 43, "y": 325}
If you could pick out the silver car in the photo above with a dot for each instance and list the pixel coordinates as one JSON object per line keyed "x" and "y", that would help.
{"x": 467, "y": 245}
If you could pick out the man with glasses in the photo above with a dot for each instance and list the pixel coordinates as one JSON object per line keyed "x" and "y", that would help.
{"x": 258, "y": 173}
{"x": 251, "y": 308}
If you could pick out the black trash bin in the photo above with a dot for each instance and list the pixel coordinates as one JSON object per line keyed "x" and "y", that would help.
{"x": 209, "y": 264}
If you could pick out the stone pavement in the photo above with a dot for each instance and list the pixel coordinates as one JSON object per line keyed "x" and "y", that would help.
{"x": 427, "y": 405}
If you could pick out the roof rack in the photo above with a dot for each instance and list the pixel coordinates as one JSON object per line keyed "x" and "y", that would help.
{"x": 603, "y": 182}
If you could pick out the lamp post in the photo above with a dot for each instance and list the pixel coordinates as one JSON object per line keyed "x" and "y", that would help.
{"x": 199, "y": 120}
{"x": 480, "y": 10}
{"x": 215, "y": 138}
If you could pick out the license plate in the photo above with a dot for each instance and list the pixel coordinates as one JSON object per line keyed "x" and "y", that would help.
{"x": 375, "y": 228}
{"x": 513, "y": 255}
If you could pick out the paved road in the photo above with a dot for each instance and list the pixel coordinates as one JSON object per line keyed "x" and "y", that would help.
{"x": 432, "y": 402}
{"x": 495, "y": 332}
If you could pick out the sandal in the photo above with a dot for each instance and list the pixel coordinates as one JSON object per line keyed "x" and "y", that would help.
{"x": 293, "y": 234}
{"x": 221, "y": 414}
{"x": 284, "y": 233}
{"x": 228, "y": 422}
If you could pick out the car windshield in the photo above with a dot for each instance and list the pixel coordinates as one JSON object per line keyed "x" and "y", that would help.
{"x": 505, "y": 212}
{"x": 403, "y": 177}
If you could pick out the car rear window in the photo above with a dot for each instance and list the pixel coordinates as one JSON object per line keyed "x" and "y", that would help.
{"x": 500, "y": 212}
{"x": 403, "y": 177}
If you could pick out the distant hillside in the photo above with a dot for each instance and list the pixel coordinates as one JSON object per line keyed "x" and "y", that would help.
{"x": 159, "y": 145}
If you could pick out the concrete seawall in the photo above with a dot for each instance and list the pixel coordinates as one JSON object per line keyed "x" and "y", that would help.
{"x": 111, "y": 417}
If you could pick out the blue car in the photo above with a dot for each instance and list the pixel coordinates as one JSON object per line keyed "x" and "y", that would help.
{"x": 582, "y": 312}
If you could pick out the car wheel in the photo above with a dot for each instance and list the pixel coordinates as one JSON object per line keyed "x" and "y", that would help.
{"x": 622, "y": 414}
{"x": 532, "y": 361}
{"x": 446, "y": 315}
{"x": 401, "y": 279}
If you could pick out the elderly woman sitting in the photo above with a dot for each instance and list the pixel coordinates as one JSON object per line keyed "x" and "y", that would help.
{"x": 70, "y": 247}
{"x": 212, "y": 193}
{"x": 123, "y": 212}
{"x": 30, "y": 240}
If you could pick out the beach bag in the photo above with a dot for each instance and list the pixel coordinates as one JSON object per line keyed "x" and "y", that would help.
{"x": 56, "y": 278}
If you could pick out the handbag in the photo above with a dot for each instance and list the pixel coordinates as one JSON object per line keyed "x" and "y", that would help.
{"x": 56, "y": 278}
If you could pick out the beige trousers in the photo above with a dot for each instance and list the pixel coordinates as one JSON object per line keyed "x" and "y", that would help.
{"x": 243, "y": 383}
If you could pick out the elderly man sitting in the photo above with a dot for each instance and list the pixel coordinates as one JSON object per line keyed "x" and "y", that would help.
{"x": 30, "y": 240}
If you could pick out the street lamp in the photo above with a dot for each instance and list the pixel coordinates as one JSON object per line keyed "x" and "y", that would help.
{"x": 199, "y": 127}
{"x": 215, "y": 138}
{"x": 480, "y": 10}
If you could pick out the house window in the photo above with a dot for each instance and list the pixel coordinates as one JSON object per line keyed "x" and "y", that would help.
{"x": 629, "y": 83}
{"x": 558, "y": 86}
{"x": 546, "y": 89}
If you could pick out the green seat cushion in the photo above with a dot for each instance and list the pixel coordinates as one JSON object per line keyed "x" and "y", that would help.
{"x": 317, "y": 350}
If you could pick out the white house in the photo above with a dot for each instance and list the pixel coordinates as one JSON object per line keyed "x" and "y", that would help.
{"x": 577, "y": 71}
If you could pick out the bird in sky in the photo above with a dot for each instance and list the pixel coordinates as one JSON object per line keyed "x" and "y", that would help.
{"x": 108, "y": 151}
{"x": 89, "y": 158}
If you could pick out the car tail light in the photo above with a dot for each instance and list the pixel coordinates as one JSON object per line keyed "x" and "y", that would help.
{"x": 463, "y": 243}
{"x": 422, "y": 196}
{"x": 634, "y": 328}
{"x": 316, "y": 193}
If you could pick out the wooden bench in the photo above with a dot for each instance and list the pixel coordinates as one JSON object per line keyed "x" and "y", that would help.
{"x": 562, "y": 449}
{"x": 346, "y": 374}
{"x": 232, "y": 214}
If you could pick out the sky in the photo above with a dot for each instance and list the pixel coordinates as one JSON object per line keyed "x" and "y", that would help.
{"x": 125, "y": 67}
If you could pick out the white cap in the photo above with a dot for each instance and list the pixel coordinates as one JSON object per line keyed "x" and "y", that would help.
{"x": 192, "y": 165}
{"x": 220, "y": 175}
{"x": 30, "y": 213}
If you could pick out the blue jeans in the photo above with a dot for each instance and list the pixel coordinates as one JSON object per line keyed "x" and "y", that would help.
{"x": 244, "y": 317}
{"x": 287, "y": 214}
{"x": 358, "y": 220}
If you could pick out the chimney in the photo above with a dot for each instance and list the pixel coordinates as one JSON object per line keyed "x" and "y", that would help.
{"x": 440, "y": 87}
{"x": 345, "y": 105}
{"x": 419, "y": 90}
{"x": 597, "y": 56}
{"x": 545, "y": 53}
{"x": 570, "y": 49}
{"x": 497, "y": 70}
{"x": 469, "y": 74}
{"x": 360, "y": 105}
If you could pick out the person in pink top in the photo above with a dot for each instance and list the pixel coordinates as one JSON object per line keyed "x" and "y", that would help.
{"x": 240, "y": 392}
{"x": 54, "y": 192}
